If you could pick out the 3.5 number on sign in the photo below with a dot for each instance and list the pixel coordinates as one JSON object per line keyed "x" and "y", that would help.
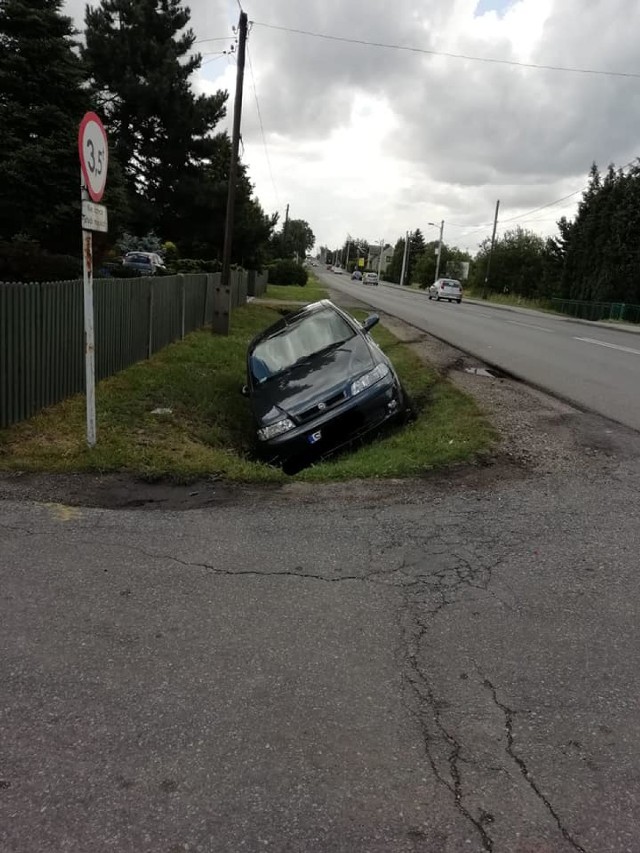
{"x": 94, "y": 155}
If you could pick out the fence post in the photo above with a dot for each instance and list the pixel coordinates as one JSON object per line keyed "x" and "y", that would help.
{"x": 181, "y": 286}
{"x": 150, "y": 339}
{"x": 242, "y": 287}
{"x": 221, "y": 309}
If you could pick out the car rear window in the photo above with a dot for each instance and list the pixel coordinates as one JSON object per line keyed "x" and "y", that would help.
{"x": 318, "y": 331}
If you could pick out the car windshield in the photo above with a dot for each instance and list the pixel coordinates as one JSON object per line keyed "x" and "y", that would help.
{"x": 309, "y": 336}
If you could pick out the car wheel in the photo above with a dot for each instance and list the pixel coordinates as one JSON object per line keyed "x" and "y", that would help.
{"x": 430, "y": 296}
{"x": 458, "y": 301}
{"x": 437, "y": 299}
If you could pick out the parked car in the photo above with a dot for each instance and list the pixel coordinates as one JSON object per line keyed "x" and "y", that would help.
{"x": 316, "y": 381}
{"x": 370, "y": 278}
{"x": 338, "y": 270}
{"x": 147, "y": 262}
{"x": 356, "y": 275}
{"x": 446, "y": 288}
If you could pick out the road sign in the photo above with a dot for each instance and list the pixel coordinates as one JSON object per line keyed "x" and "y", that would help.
{"x": 94, "y": 155}
{"x": 94, "y": 217}
{"x": 94, "y": 161}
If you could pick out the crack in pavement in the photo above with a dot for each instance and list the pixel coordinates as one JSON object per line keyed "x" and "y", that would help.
{"x": 520, "y": 762}
{"x": 424, "y": 693}
{"x": 14, "y": 528}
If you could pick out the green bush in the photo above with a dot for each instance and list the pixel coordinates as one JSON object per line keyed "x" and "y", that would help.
{"x": 194, "y": 265}
{"x": 286, "y": 272}
{"x": 22, "y": 259}
{"x": 115, "y": 269}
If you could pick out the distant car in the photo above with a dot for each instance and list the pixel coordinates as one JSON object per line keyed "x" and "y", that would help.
{"x": 370, "y": 278}
{"x": 316, "y": 381}
{"x": 356, "y": 275}
{"x": 148, "y": 263}
{"x": 446, "y": 288}
{"x": 338, "y": 270}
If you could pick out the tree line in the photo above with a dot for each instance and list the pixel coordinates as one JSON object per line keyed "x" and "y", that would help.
{"x": 169, "y": 161}
{"x": 594, "y": 256}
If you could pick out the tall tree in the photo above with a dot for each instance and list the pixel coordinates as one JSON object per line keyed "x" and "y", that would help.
{"x": 42, "y": 99}
{"x": 139, "y": 56}
{"x": 300, "y": 237}
{"x": 394, "y": 270}
{"x": 416, "y": 248}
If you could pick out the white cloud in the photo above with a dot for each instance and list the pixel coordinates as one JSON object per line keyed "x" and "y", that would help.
{"x": 373, "y": 141}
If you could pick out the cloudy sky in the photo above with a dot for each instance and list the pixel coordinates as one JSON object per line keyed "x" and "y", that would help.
{"x": 374, "y": 141}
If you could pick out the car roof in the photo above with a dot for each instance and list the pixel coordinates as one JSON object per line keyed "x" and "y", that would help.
{"x": 293, "y": 317}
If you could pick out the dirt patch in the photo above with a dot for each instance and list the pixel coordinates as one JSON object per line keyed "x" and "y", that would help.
{"x": 539, "y": 432}
{"x": 123, "y": 491}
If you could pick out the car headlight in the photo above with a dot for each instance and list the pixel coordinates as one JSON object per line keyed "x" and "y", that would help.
{"x": 369, "y": 379}
{"x": 276, "y": 429}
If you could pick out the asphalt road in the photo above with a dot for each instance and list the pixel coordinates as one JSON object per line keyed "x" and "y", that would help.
{"x": 373, "y": 669}
{"x": 595, "y": 368}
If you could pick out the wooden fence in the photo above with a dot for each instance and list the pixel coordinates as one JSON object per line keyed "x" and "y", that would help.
{"x": 42, "y": 329}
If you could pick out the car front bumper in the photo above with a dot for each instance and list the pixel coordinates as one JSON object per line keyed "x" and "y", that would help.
{"x": 340, "y": 426}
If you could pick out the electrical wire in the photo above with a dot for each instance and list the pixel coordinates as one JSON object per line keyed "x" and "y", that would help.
{"x": 264, "y": 138}
{"x": 216, "y": 38}
{"x": 425, "y": 51}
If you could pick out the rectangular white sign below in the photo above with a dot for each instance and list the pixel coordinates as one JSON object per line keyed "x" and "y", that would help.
{"x": 94, "y": 217}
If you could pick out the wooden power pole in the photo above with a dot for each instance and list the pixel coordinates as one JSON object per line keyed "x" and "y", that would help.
{"x": 493, "y": 242}
{"x": 235, "y": 146}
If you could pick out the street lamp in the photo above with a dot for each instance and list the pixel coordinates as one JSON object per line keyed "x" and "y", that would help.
{"x": 441, "y": 226}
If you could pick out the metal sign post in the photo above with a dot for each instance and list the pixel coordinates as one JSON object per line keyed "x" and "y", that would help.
{"x": 94, "y": 161}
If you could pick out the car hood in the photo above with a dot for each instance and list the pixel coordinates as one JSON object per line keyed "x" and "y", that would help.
{"x": 312, "y": 382}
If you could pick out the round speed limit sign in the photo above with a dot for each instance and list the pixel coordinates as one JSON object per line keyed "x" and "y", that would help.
{"x": 94, "y": 155}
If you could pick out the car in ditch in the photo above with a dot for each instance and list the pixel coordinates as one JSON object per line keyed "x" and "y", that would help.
{"x": 316, "y": 381}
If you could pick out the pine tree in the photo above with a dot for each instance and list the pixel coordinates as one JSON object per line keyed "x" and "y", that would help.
{"x": 140, "y": 60}
{"x": 42, "y": 101}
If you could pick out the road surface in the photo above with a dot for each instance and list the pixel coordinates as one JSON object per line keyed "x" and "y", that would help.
{"x": 365, "y": 669}
{"x": 596, "y": 368}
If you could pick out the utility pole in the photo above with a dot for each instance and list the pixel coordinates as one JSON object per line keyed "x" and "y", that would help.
{"x": 493, "y": 241}
{"x": 380, "y": 258}
{"x": 235, "y": 145}
{"x": 286, "y": 221}
{"x": 405, "y": 256}
{"x": 439, "y": 252}
{"x": 348, "y": 247}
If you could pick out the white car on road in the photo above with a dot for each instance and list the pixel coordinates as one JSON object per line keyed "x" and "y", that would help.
{"x": 370, "y": 278}
{"x": 446, "y": 288}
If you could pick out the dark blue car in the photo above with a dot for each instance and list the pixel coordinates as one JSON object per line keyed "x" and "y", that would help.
{"x": 316, "y": 381}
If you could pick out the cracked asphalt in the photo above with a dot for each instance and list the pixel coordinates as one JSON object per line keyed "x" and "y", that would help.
{"x": 373, "y": 667}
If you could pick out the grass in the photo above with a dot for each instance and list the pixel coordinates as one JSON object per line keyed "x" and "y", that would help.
{"x": 514, "y": 300}
{"x": 313, "y": 291}
{"x": 209, "y": 431}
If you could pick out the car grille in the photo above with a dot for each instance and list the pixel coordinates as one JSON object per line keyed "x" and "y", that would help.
{"x": 315, "y": 411}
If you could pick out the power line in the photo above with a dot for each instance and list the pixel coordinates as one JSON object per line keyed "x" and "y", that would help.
{"x": 427, "y": 52}
{"x": 264, "y": 138}
{"x": 542, "y": 207}
{"x": 559, "y": 200}
{"x": 216, "y": 38}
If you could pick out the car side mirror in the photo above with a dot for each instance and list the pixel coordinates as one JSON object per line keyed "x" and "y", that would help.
{"x": 245, "y": 390}
{"x": 370, "y": 322}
